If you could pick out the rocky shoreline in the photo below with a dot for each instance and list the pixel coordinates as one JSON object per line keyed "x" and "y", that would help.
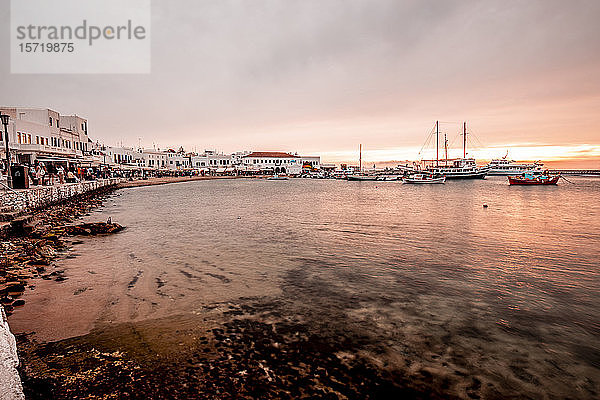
{"x": 232, "y": 352}
{"x": 30, "y": 250}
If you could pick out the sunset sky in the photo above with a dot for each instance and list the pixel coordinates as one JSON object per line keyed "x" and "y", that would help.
{"x": 320, "y": 77}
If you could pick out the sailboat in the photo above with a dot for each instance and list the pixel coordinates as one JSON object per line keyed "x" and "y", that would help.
{"x": 360, "y": 176}
{"x": 456, "y": 168}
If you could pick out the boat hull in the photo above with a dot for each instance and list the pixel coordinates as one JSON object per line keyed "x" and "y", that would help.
{"x": 479, "y": 173}
{"x": 425, "y": 181}
{"x": 466, "y": 175}
{"x": 361, "y": 178}
{"x": 515, "y": 180}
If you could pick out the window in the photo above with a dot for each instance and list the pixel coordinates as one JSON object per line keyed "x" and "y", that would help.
{"x": 50, "y": 121}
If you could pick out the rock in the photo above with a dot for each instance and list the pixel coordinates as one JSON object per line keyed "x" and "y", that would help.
{"x": 96, "y": 228}
{"x": 6, "y": 300}
{"x": 19, "y": 302}
{"x": 13, "y": 288}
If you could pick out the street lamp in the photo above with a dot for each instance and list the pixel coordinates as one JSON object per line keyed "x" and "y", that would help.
{"x": 5, "y": 118}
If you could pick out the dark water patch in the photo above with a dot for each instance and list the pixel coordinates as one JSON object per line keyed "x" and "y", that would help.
{"x": 222, "y": 278}
{"x": 189, "y": 275}
{"x": 133, "y": 281}
{"x": 590, "y": 355}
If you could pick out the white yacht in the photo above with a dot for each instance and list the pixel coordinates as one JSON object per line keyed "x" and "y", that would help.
{"x": 504, "y": 166}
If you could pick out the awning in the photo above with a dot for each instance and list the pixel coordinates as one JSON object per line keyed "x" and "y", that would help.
{"x": 58, "y": 159}
{"x": 220, "y": 170}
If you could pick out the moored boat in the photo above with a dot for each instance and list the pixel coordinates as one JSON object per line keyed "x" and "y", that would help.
{"x": 533, "y": 179}
{"x": 362, "y": 177}
{"x": 388, "y": 178}
{"x": 462, "y": 168}
{"x": 423, "y": 179}
{"x": 504, "y": 166}
{"x": 457, "y": 168}
{"x": 277, "y": 178}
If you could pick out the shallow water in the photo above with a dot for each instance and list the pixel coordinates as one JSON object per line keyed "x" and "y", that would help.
{"x": 425, "y": 276}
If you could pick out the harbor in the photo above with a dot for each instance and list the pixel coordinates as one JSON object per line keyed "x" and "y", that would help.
{"x": 309, "y": 199}
{"x": 364, "y": 290}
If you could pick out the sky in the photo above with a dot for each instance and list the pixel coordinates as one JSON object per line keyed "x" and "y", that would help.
{"x": 323, "y": 76}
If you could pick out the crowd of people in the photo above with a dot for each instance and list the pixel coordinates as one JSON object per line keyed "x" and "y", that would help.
{"x": 54, "y": 173}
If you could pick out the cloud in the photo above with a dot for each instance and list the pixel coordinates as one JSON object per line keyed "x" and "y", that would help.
{"x": 323, "y": 76}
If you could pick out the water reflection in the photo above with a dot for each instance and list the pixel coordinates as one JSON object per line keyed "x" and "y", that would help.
{"x": 427, "y": 276}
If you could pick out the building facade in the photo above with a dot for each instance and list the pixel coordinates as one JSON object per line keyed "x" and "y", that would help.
{"x": 273, "y": 162}
{"x": 45, "y": 135}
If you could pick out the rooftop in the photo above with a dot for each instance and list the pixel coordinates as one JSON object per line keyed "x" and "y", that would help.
{"x": 271, "y": 154}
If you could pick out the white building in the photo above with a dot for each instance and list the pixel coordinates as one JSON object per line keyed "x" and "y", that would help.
{"x": 178, "y": 160}
{"x": 45, "y": 135}
{"x": 273, "y": 162}
{"x": 211, "y": 161}
{"x": 154, "y": 159}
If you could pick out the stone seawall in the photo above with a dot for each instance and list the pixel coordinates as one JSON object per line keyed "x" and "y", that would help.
{"x": 43, "y": 196}
{"x": 10, "y": 382}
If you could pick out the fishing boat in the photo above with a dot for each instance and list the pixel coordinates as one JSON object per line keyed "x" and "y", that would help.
{"x": 505, "y": 166}
{"x": 361, "y": 176}
{"x": 457, "y": 168}
{"x": 534, "y": 179}
{"x": 423, "y": 179}
{"x": 277, "y": 178}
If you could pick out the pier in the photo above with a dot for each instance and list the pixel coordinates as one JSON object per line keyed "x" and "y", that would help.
{"x": 576, "y": 171}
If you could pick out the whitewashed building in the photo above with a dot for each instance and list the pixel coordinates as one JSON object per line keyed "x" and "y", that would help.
{"x": 154, "y": 159}
{"x": 178, "y": 160}
{"x": 273, "y": 162}
{"x": 45, "y": 135}
{"x": 212, "y": 161}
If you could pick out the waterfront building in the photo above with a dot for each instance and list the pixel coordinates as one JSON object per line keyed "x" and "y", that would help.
{"x": 44, "y": 135}
{"x": 273, "y": 162}
{"x": 154, "y": 159}
{"x": 211, "y": 161}
{"x": 178, "y": 160}
{"x": 311, "y": 163}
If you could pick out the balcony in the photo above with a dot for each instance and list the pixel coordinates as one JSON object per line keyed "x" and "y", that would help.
{"x": 41, "y": 148}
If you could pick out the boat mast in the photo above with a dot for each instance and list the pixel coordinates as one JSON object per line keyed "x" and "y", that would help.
{"x": 360, "y": 158}
{"x": 446, "y": 148}
{"x": 437, "y": 143}
{"x": 465, "y": 139}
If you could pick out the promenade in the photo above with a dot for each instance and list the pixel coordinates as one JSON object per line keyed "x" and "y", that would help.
{"x": 19, "y": 200}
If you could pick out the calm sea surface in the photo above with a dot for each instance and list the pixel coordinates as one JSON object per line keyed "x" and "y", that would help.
{"x": 509, "y": 292}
